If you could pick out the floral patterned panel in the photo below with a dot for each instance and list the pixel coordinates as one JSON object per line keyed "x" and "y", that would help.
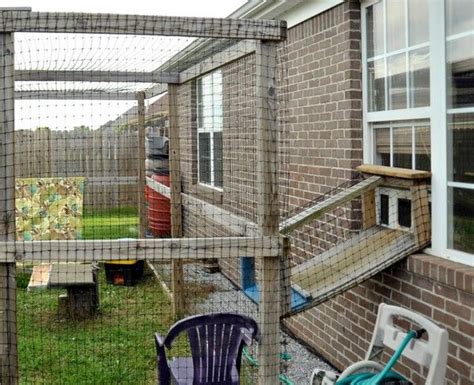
{"x": 49, "y": 208}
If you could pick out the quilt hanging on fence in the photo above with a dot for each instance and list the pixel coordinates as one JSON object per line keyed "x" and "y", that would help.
{"x": 49, "y": 208}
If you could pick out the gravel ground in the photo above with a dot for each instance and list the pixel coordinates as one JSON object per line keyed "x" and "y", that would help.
{"x": 303, "y": 362}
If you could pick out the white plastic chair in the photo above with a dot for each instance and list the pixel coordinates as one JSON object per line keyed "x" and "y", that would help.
{"x": 431, "y": 353}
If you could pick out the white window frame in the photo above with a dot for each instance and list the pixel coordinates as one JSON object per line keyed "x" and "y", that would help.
{"x": 437, "y": 115}
{"x": 216, "y": 123}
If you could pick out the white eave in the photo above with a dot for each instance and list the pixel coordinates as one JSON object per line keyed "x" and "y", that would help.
{"x": 293, "y": 11}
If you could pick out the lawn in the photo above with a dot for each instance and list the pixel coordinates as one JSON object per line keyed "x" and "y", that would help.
{"x": 116, "y": 347}
{"x": 110, "y": 223}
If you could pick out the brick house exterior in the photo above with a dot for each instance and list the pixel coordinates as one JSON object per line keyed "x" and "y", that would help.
{"x": 324, "y": 82}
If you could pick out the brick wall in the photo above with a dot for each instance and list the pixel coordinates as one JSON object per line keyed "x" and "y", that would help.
{"x": 341, "y": 329}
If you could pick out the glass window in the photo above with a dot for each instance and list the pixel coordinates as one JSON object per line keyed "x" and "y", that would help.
{"x": 376, "y": 76}
{"x": 461, "y": 219}
{"x": 395, "y": 16}
{"x": 418, "y": 27}
{"x": 459, "y": 17}
{"x": 397, "y": 82}
{"x": 403, "y": 144}
{"x": 460, "y": 71}
{"x": 419, "y": 61}
{"x": 375, "y": 40}
{"x": 402, "y": 147}
{"x": 382, "y": 146}
{"x": 398, "y": 73}
{"x": 461, "y": 147}
{"x": 210, "y": 122}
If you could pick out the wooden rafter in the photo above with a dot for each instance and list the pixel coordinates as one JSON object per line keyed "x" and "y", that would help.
{"x": 68, "y": 22}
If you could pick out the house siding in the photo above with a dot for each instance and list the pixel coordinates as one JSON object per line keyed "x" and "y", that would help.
{"x": 323, "y": 121}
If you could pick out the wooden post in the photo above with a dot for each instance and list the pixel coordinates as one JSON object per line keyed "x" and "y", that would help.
{"x": 369, "y": 211}
{"x": 177, "y": 275}
{"x": 8, "y": 341}
{"x": 141, "y": 164}
{"x": 268, "y": 209}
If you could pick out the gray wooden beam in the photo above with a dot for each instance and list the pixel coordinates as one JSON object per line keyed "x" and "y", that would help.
{"x": 96, "y": 76}
{"x": 75, "y": 95}
{"x": 62, "y": 22}
{"x": 228, "y": 55}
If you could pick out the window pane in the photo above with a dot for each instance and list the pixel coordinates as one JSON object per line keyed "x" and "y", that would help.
{"x": 375, "y": 30}
{"x": 382, "y": 146}
{"x": 422, "y": 148}
{"x": 218, "y": 164}
{"x": 402, "y": 147}
{"x": 459, "y": 16}
{"x": 418, "y": 27}
{"x": 204, "y": 157}
{"x": 397, "y": 84}
{"x": 461, "y": 147}
{"x": 460, "y": 67}
{"x": 419, "y": 78}
{"x": 376, "y": 80}
{"x": 461, "y": 219}
{"x": 395, "y": 25}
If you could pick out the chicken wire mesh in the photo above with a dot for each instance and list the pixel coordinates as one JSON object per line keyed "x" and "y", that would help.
{"x": 146, "y": 176}
{"x": 136, "y": 163}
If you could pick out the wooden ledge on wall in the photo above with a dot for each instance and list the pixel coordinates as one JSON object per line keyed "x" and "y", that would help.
{"x": 394, "y": 172}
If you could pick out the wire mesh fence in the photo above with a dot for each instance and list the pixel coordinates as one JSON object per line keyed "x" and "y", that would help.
{"x": 144, "y": 167}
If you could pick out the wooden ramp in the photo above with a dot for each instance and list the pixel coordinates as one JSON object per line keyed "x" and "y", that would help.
{"x": 350, "y": 263}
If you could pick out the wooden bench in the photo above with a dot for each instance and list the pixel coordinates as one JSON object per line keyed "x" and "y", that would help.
{"x": 80, "y": 281}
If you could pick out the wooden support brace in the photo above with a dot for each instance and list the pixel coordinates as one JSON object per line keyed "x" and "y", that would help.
{"x": 141, "y": 164}
{"x": 8, "y": 337}
{"x": 177, "y": 270}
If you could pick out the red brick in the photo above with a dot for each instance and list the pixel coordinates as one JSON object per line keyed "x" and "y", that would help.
{"x": 459, "y": 310}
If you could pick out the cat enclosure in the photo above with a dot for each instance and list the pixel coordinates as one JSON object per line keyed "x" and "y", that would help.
{"x": 140, "y": 155}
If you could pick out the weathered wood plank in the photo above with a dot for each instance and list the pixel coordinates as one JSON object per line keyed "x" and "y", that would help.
{"x": 74, "y": 95}
{"x": 141, "y": 165}
{"x": 351, "y": 263}
{"x": 8, "y": 337}
{"x": 314, "y": 212}
{"x": 268, "y": 215}
{"x": 147, "y": 249}
{"x": 96, "y": 23}
{"x": 395, "y": 172}
{"x": 177, "y": 268}
{"x": 217, "y": 60}
{"x": 97, "y": 76}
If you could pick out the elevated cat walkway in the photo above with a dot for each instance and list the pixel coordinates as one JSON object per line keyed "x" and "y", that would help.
{"x": 395, "y": 224}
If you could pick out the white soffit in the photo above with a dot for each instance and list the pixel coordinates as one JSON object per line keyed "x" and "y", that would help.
{"x": 295, "y": 11}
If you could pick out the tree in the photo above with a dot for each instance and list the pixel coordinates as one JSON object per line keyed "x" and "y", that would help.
{"x": 81, "y": 128}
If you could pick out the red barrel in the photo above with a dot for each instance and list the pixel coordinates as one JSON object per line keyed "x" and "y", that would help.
{"x": 159, "y": 209}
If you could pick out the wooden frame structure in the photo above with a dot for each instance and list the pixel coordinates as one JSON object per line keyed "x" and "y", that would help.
{"x": 259, "y": 36}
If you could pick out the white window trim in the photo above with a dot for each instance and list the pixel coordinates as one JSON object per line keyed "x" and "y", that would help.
{"x": 211, "y": 130}
{"x": 436, "y": 113}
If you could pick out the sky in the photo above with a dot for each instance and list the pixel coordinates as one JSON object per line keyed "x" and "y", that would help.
{"x": 36, "y": 52}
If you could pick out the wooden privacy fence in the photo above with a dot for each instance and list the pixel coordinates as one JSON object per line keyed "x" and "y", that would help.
{"x": 108, "y": 161}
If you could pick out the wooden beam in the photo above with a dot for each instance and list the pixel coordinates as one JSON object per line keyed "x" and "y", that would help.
{"x": 177, "y": 268}
{"x": 156, "y": 90}
{"x": 96, "y": 23}
{"x": 97, "y": 76}
{"x": 395, "y": 172}
{"x": 164, "y": 249}
{"x": 229, "y": 55}
{"x": 141, "y": 164}
{"x": 111, "y": 180}
{"x": 268, "y": 210}
{"x": 320, "y": 208}
{"x": 8, "y": 338}
{"x": 74, "y": 95}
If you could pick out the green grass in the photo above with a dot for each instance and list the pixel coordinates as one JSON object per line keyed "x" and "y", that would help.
{"x": 110, "y": 223}
{"x": 116, "y": 347}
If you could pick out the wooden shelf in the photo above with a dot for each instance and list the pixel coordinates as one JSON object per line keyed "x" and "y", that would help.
{"x": 394, "y": 172}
